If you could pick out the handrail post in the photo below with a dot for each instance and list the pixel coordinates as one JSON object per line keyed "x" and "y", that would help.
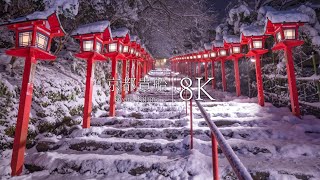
{"x": 239, "y": 169}
{"x": 215, "y": 157}
{"x": 191, "y": 126}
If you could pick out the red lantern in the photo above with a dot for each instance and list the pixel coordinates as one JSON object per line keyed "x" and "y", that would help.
{"x": 284, "y": 27}
{"x": 33, "y": 35}
{"x": 235, "y": 49}
{"x": 114, "y": 50}
{"x": 255, "y": 38}
{"x": 91, "y": 37}
{"x": 222, "y": 53}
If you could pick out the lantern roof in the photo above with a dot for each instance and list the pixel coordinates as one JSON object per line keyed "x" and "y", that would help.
{"x": 208, "y": 46}
{"x": 290, "y": 16}
{"x": 276, "y": 19}
{"x": 217, "y": 44}
{"x": 50, "y": 16}
{"x": 120, "y": 33}
{"x": 94, "y": 28}
{"x": 231, "y": 39}
{"x": 253, "y": 30}
{"x": 134, "y": 38}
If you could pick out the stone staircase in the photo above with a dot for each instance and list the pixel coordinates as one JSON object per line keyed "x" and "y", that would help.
{"x": 150, "y": 140}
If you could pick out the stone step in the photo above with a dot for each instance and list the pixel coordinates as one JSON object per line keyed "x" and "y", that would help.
{"x": 169, "y": 134}
{"x": 111, "y": 166}
{"x": 117, "y": 122}
{"x": 114, "y": 146}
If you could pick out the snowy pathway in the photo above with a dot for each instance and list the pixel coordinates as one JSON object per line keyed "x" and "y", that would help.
{"x": 150, "y": 140}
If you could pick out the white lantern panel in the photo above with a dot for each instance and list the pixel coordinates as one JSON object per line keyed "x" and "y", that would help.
{"x": 42, "y": 41}
{"x": 290, "y": 34}
{"x": 87, "y": 45}
{"x": 126, "y": 49}
{"x": 99, "y": 47}
{"x": 198, "y": 56}
{"x": 236, "y": 50}
{"x": 223, "y": 52}
{"x": 205, "y": 55}
{"x": 25, "y": 38}
{"x": 113, "y": 47}
{"x": 120, "y": 48}
{"x": 213, "y": 54}
{"x": 279, "y": 37}
{"x": 257, "y": 44}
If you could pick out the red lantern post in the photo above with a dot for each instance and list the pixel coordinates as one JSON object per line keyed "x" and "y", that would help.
{"x": 222, "y": 56}
{"x": 33, "y": 41}
{"x": 114, "y": 52}
{"x": 213, "y": 56}
{"x": 235, "y": 49}
{"x": 255, "y": 38}
{"x": 122, "y": 34}
{"x": 284, "y": 26}
{"x": 91, "y": 37}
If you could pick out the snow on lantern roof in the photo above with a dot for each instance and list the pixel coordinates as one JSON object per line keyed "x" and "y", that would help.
{"x": 120, "y": 33}
{"x": 208, "y": 46}
{"x": 134, "y": 38}
{"x": 37, "y": 15}
{"x": 253, "y": 30}
{"x": 290, "y": 16}
{"x": 49, "y": 15}
{"x": 217, "y": 43}
{"x": 96, "y": 27}
{"x": 231, "y": 39}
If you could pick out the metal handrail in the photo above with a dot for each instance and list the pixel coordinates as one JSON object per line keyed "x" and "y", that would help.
{"x": 237, "y": 166}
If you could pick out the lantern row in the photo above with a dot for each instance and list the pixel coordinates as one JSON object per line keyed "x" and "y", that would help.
{"x": 283, "y": 26}
{"x": 33, "y": 36}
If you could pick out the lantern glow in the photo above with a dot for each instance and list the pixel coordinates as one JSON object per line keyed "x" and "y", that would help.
{"x": 42, "y": 41}
{"x": 99, "y": 47}
{"x": 213, "y": 54}
{"x": 126, "y": 49}
{"x": 87, "y": 45}
{"x": 256, "y": 45}
{"x": 290, "y": 34}
{"x": 113, "y": 47}
{"x": 236, "y": 50}
{"x": 25, "y": 39}
{"x": 223, "y": 52}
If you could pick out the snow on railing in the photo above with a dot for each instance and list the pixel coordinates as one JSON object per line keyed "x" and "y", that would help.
{"x": 216, "y": 136}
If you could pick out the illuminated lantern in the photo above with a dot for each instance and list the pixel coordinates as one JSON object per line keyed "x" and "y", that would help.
{"x": 207, "y": 58}
{"x": 222, "y": 56}
{"x": 91, "y": 37}
{"x": 234, "y": 45}
{"x": 213, "y": 56}
{"x": 284, "y": 26}
{"x": 33, "y": 36}
{"x": 123, "y": 37}
{"x": 114, "y": 50}
{"x": 134, "y": 45}
{"x": 254, "y": 36}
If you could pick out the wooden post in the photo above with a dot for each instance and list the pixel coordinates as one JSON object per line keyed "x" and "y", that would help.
{"x": 213, "y": 75}
{"x": 292, "y": 83}
{"x": 130, "y": 75}
{"x": 215, "y": 157}
{"x": 88, "y": 93}
{"x": 259, "y": 80}
{"x": 113, "y": 88}
{"x": 223, "y": 76}
{"x": 21, "y": 131}
{"x": 237, "y": 76}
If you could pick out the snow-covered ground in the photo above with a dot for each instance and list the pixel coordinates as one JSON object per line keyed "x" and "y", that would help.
{"x": 150, "y": 140}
